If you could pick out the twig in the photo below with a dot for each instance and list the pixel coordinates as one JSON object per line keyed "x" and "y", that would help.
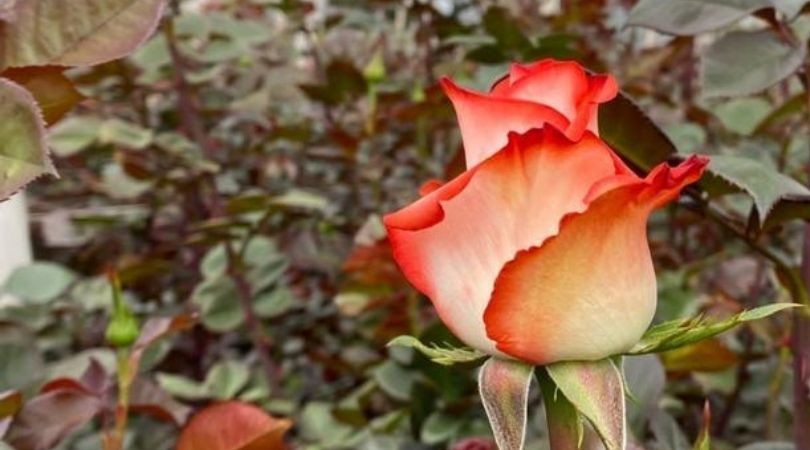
{"x": 800, "y": 342}
{"x": 254, "y": 325}
{"x": 193, "y": 125}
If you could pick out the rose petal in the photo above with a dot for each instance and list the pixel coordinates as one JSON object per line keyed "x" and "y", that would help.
{"x": 452, "y": 243}
{"x": 590, "y": 291}
{"x": 566, "y": 87}
{"x": 486, "y": 121}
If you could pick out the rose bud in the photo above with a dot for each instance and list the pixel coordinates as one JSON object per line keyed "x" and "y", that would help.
{"x": 538, "y": 251}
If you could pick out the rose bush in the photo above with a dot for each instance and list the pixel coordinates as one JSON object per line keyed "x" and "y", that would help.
{"x": 538, "y": 251}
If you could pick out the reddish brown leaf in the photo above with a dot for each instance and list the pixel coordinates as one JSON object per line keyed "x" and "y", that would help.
{"x": 94, "y": 381}
{"x": 53, "y": 91}
{"x": 155, "y": 329}
{"x": 49, "y": 417}
{"x": 233, "y": 426}
{"x": 65, "y": 384}
{"x": 148, "y": 398}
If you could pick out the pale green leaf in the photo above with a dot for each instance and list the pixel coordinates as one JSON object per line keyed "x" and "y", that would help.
{"x": 596, "y": 389}
{"x": 23, "y": 153}
{"x": 744, "y": 62}
{"x": 444, "y": 355}
{"x": 296, "y": 198}
{"x": 40, "y": 282}
{"x": 504, "y": 388}
{"x": 75, "y": 32}
{"x": 219, "y": 305}
{"x": 688, "y": 17}
{"x": 441, "y": 427}
{"x": 395, "y": 380}
{"x": 73, "y": 135}
{"x": 183, "y": 387}
{"x": 226, "y": 379}
{"x": 743, "y": 115}
{"x": 125, "y": 134}
{"x": 765, "y": 185}
{"x": 678, "y": 333}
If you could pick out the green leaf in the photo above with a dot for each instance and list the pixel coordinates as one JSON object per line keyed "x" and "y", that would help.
{"x": 743, "y": 115}
{"x": 40, "y": 282}
{"x": 765, "y": 185}
{"x": 22, "y": 363}
{"x": 504, "y": 388}
{"x": 688, "y": 17}
{"x": 502, "y": 27}
{"x": 678, "y": 333}
{"x": 274, "y": 303}
{"x": 23, "y": 153}
{"x": 219, "y": 304}
{"x": 125, "y": 134}
{"x": 444, "y": 355}
{"x": 297, "y": 198}
{"x": 441, "y": 427}
{"x": 596, "y": 389}
{"x": 632, "y": 134}
{"x": 75, "y": 32}
{"x": 183, "y": 387}
{"x": 73, "y": 135}
{"x": 743, "y": 63}
{"x": 226, "y": 379}
{"x": 395, "y": 380}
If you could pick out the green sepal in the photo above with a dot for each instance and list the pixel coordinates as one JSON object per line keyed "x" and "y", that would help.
{"x": 445, "y": 355}
{"x": 682, "y": 332}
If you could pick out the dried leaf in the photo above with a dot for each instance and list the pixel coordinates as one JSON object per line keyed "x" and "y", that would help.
{"x": 75, "y": 32}
{"x": 53, "y": 91}
{"x": 233, "y": 426}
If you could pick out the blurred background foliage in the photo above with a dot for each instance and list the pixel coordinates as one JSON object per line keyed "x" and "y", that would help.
{"x": 237, "y": 165}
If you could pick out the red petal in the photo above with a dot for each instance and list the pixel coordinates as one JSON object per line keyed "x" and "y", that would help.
{"x": 566, "y": 87}
{"x": 452, "y": 243}
{"x": 589, "y": 292}
{"x": 486, "y": 121}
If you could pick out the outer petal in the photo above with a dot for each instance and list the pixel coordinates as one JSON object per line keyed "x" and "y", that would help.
{"x": 452, "y": 243}
{"x": 486, "y": 121}
{"x": 590, "y": 291}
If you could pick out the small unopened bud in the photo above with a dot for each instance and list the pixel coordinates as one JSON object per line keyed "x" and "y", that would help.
{"x": 375, "y": 69}
{"x": 123, "y": 329}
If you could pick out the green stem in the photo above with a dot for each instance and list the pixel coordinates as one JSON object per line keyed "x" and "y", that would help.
{"x": 565, "y": 431}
